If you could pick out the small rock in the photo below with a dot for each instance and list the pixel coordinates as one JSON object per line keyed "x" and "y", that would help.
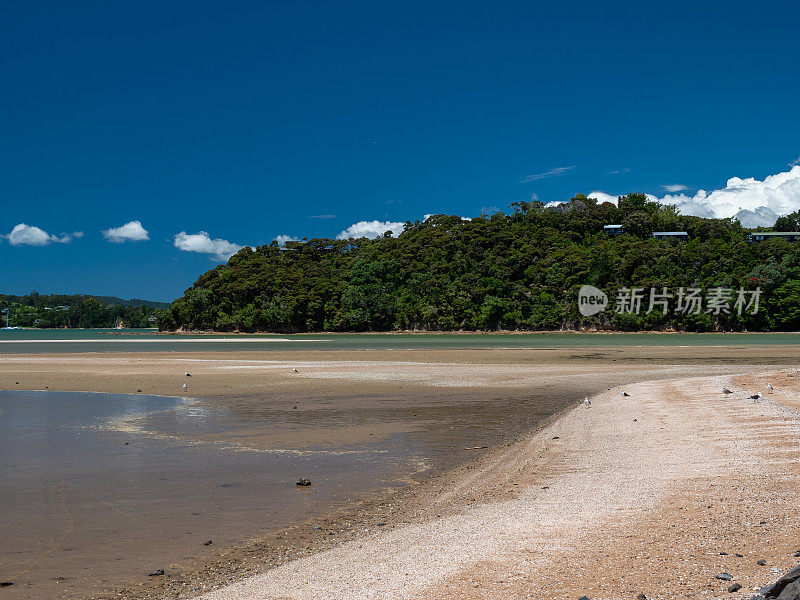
{"x": 583, "y": 598}
{"x": 723, "y": 554}
{"x": 208, "y": 543}
{"x": 761, "y": 562}
{"x": 641, "y": 597}
{"x": 724, "y": 576}
{"x": 6, "y": 583}
{"x": 138, "y": 391}
{"x": 739, "y": 555}
{"x": 734, "y": 587}
{"x": 382, "y": 524}
{"x": 303, "y": 481}
{"x": 797, "y": 554}
{"x": 156, "y": 573}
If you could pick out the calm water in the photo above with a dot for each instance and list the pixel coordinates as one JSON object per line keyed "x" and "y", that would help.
{"x": 99, "y": 488}
{"x": 109, "y": 340}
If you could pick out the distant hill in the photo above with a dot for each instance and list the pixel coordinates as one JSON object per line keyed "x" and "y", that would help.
{"x": 80, "y": 310}
{"x": 519, "y": 271}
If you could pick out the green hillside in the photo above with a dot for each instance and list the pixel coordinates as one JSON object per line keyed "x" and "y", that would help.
{"x": 517, "y": 271}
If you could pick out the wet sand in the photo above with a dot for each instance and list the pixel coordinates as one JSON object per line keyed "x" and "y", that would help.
{"x": 463, "y": 406}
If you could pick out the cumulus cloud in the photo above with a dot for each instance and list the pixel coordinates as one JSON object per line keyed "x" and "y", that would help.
{"x": 753, "y": 202}
{"x": 282, "y": 239}
{"x": 132, "y": 231}
{"x": 555, "y": 172}
{"x": 370, "y": 229}
{"x": 30, "y": 235}
{"x": 201, "y": 242}
{"x": 678, "y": 187}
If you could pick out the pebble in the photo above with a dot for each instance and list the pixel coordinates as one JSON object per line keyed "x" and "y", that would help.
{"x": 303, "y": 481}
{"x": 156, "y": 573}
{"x": 761, "y": 562}
{"x": 734, "y": 587}
{"x": 725, "y": 576}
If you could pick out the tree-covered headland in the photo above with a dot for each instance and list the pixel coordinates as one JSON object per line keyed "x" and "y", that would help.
{"x": 515, "y": 271}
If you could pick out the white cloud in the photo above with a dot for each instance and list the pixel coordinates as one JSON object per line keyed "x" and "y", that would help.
{"x": 678, "y": 187}
{"x": 549, "y": 173}
{"x": 29, "y": 235}
{"x": 796, "y": 161}
{"x": 282, "y": 239}
{"x": 132, "y": 231}
{"x": 370, "y": 229}
{"x": 618, "y": 171}
{"x": 201, "y": 242}
{"x": 753, "y": 202}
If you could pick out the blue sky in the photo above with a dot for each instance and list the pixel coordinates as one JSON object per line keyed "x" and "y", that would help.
{"x": 261, "y": 119}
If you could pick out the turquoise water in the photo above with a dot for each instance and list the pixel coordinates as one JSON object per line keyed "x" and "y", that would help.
{"x": 111, "y": 340}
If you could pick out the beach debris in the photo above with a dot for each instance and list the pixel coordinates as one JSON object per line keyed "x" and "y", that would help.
{"x": 156, "y": 573}
{"x": 138, "y": 391}
{"x": 726, "y": 391}
{"x": 623, "y": 393}
{"x": 475, "y": 447}
{"x": 303, "y": 481}
{"x": 724, "y": 576}
{"x": 586, "y": 402}
{"x": 755, "y": 397}
{"x": 208, "y": 543}
{"x": 734, "y": 587}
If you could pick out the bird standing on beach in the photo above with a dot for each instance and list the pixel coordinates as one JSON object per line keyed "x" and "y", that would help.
{"x": 623, "y": 393}
{"x": 586, "y": 402}
{"x": 769, "y": 388}
{"x": 755, "y": 397}
{"x": 295, "y": 370}
{"x": 726, "y": 391}
{"x": 188, "y": 374}
{"x": 185, "y": 387}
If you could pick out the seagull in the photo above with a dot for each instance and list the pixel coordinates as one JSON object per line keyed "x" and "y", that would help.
{"x": 586, "y": 402}
{"x": 188, "y": 374}
{"x": 623, "y": 393}
{"x": 185, "y": 387}
{"x": 755, "y": 397}
{"x": 295, "y": 370}
{"x": 769, "y": 388}
{"x": 726, "y": 391}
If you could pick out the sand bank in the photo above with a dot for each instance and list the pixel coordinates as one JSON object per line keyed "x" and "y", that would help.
{"x": 654, "y": 493}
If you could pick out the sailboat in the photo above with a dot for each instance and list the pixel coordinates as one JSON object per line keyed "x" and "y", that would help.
{"x": 8, "y": 316}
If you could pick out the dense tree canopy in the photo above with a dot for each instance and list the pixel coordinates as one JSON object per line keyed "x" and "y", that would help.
{"x": 519, "y": 271}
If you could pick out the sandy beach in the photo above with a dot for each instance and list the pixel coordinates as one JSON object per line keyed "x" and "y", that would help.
{"x": 654, "y": 493}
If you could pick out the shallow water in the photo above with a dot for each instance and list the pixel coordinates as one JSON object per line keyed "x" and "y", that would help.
{"x": 110, "y": 340}
{"x": 100, "y": 489}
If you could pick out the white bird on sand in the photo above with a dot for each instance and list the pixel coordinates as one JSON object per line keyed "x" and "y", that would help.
{"x": 185, "y": 387}
{"x": 586, "y": 402}
{"x": 726, "y": 391}
{"x": 188, "y": 374}
{"x": 295, "y": 370}
{"x": 623, "y": 393}
{"x": 769, "y": 388}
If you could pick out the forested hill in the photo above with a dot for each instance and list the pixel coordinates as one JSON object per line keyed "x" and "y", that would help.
{"x": 517, "y": 271}
{"x": 79, "y": 310}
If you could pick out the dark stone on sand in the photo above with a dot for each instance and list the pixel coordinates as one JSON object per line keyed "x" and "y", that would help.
{"x": 382, "y": 524}
{"x": 797, "y": 554}
{"x": 138, "y": 391}
{"x": 641, "y": 597}
{"x": 6, "y": 583}
{"x": 303, "y": 481}
{"x": 734, "y": 587}
{"x": 761, "y": 562}
{"x": 739, "y": 555}
{"x": 777, "y": 589}
{"x": 723, "y": 554}
{"x": 724, "y": 576}
{"x": 583, "y": 598}
{"x": 208, "y": 543}
{"x": 156, "y": 573}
